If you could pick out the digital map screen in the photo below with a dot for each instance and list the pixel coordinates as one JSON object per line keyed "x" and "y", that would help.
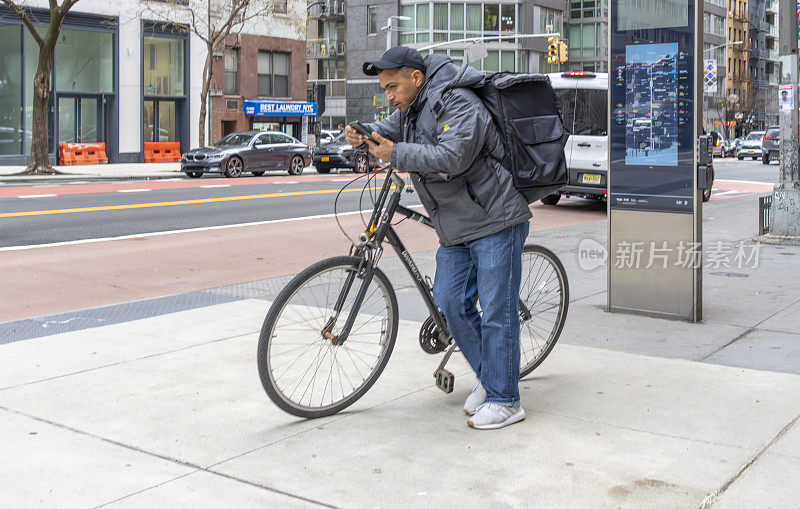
{"x": 652, "y": 108}
{"x": 651, "y": 97}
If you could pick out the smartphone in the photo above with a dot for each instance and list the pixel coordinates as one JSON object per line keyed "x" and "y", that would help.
{"x": 362, "y": 130}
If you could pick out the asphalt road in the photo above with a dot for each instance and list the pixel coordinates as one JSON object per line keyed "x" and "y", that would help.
{"x": 61, "y": 212}
{"x": 756, "y": 171}
{"x": 48, "y": 214}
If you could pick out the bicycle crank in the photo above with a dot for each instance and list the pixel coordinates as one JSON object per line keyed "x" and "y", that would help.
{"x": 445, "y": 379}
{"x": 431, "y": 338}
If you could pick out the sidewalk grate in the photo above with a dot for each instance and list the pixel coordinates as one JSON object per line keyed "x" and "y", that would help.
{"x": 108, "y": 315}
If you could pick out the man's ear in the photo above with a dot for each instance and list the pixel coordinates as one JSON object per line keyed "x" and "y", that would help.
{"x": 419, "y": 77}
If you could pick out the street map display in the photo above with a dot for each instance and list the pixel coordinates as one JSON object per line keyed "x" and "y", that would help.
{"x": 651, "y": 97}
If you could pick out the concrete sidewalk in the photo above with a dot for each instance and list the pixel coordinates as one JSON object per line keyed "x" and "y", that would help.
{"x": 628, "y": 411}
{"x": 109, "y": 171}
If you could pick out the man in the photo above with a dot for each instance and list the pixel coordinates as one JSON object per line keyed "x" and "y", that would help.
{"x": 444, "y": 136}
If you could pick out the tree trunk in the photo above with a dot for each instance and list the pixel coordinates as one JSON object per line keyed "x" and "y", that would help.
{"x": 207, "y": 73}
{"x": 39, "y": 160}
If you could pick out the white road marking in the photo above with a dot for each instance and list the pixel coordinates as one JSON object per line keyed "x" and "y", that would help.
{"x": 728, "y": 192}
{"x": 292, "y": 182}
{"x": 215, "y": 185}
{"x": 37, "y": 196}
{"x": 187, "y": 230}
{"x": 133, "y": 190}
{"x": 744, "y": 181}
{"x": 341, "y": 180}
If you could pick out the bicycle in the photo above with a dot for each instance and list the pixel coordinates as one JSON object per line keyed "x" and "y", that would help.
{"x": 305, "y": 320}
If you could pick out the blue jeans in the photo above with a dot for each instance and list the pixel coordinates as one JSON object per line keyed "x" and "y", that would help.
{"x": 488, "y": 268}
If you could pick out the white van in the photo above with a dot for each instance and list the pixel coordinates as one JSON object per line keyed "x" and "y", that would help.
{"x": 583, "y": 99}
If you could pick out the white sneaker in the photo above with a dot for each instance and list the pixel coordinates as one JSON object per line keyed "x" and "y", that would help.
{"x": 475, "y": 399}
{"x": 494, "y": 415}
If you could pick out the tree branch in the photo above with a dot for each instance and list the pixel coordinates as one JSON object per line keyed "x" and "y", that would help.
{"x": 20, "y": 11}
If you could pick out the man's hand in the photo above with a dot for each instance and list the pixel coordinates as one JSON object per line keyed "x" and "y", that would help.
{"x": 352, "y": 137}
{"x": 383, "y": 149}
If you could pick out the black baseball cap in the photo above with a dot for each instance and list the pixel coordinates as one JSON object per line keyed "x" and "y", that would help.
{"x": 399, "y": 56}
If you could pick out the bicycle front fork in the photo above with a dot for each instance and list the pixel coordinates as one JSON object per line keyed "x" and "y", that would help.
{"x": 365, "y": 272}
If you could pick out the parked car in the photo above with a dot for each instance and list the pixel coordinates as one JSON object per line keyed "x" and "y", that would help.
{"x": 771, "y": 145}
{"x": 730, "y": 147}
{"x": 583, "y": 100}
{"x": 338, "y": 154}
{"x": 327, "y": 136}
{"x": 717, "y": 144}
{"x": 248, "y": 151}
{"x": 751, "y": 146}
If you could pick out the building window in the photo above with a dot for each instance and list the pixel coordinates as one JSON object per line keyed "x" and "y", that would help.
{"x": 372, "y": 20}
{"x": 273, "y": 74}
{"x": 232, "y": 71}
{"x": 163, "y": 66}
{"x": 11, "y": 131}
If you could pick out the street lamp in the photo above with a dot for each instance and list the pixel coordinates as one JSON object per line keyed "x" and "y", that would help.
{"x": 389, "y": 28}
{"x": 721, "y": 45}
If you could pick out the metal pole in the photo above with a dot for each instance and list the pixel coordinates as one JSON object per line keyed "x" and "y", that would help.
{"x": 786, "y": 196}
{"x": 389, "y": 33}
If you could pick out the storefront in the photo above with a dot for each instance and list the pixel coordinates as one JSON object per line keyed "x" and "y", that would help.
{"x": 83, "y": 87}
{"x": 290, "y": 117}
{"x": 165, "y": 98}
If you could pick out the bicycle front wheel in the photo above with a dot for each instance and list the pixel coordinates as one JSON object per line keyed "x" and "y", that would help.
{"x": 543, "y": 304}
{"x": 303, "y": 369}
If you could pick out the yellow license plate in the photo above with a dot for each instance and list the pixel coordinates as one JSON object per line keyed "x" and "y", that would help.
{"x": 325, "y": 159}
{"x": 589, "y": 178}
{"x": 749, "y": 152}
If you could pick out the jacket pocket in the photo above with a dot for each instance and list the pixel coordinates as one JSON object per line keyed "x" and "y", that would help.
{"x": 538, "y": 147}
{"x": 458, "y": 212}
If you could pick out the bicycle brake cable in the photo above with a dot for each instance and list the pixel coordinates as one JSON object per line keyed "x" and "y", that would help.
{"x": 336, "y": 212}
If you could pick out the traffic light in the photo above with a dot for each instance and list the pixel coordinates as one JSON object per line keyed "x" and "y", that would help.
{"x": 552, "y": 50}
{"x": 562, "y": 52}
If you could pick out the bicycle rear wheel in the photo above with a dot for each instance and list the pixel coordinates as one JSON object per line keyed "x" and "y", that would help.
{"x": 543, "y": 304}
{"x": 302, "y": 369}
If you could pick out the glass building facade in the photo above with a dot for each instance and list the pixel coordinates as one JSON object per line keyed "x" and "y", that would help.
{"x": 434, "y": 22}
{"x": 82, "y": 85}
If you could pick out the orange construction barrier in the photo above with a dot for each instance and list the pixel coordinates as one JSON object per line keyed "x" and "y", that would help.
{"x": 162, "y": 152}
{"x": 82, "y": 153}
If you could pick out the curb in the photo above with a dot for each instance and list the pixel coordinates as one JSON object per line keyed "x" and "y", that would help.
{"x": 70, "y": 177}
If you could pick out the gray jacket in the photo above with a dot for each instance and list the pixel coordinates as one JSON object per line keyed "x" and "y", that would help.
{"x": 447, "y": 132}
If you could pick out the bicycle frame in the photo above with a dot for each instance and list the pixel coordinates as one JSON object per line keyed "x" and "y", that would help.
{"x": 379, "y": 229}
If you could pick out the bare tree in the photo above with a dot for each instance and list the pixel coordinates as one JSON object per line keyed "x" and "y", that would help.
{"x": 39, "y": 160}
{"x": 212, "y": 21}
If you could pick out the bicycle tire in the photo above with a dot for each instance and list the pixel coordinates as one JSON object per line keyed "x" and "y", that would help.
{"x": 274, "y": 314}
{"x": 561, "y": 274}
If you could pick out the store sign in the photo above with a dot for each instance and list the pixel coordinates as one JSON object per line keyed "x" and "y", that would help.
{"x": 280, "y": 109}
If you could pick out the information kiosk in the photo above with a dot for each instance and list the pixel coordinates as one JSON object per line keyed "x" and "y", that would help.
{"x": 654, "y": 204}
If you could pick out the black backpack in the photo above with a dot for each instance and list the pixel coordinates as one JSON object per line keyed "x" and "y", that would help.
{"x": 525, "y": 110}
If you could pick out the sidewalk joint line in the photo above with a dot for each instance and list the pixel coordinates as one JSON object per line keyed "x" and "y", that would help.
{"x": 338, "y": 418}
{"x": 161, "y": 456}
{"x": 748, "y": 331}
{"x": 714, "y": 497}
{"x": 126, "y": 361}
{"x": 643, "y": 431}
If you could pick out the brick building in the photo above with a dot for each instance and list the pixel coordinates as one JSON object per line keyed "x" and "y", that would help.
{"x": 256, "y": 67}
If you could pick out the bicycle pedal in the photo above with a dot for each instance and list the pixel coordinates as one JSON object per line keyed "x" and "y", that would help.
{"x": 445, "y": 380}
